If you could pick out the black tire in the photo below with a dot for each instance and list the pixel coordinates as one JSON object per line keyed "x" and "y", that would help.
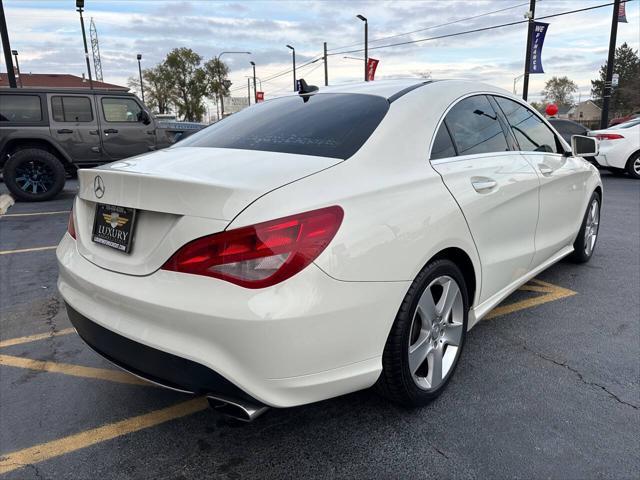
{"x": 582, "y": 254}
{"x": 43, "y": 167}
{"x": 396, "y": 381}
{"x": 632, "y": 165}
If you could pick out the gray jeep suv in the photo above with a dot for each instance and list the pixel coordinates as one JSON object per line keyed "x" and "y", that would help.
{"x": 46, "y": 135}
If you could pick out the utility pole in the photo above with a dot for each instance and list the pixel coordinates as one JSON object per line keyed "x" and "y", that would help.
{"x": 606, "y": 98}
{"x": 295, "y": 84}
{"x": 4, "y": 34}
{"x": 219, "y": 65}
{"x": 326, "y": 67}
{"x": 255, "y": 90}
{"x": 249, "y": 91}
{"x": 139, "y": 57}
{"x": 366, "y": 45}
{"x": 80, "y": 6}
{"x": 18, "y": 74}
{"x": 527, "y": 61}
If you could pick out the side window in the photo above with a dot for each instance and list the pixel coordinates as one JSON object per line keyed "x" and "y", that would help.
{"x": 530, "y": 131}
{"x": 71, "y": 109}
{"x": 121, "y": 110}
{"x": 20, "y": 108}
{"x": 442, "y": 144}
{"x": 475, "y": 127}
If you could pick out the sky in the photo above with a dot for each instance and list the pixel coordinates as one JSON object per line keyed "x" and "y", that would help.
{"x": 47, "y": 35}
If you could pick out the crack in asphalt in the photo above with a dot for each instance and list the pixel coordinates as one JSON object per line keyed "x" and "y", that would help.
{"x": 573, "y": 370}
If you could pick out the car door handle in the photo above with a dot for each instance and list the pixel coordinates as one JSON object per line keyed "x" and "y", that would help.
{"x": 65, "y": 130}
{"x": 545, "y": 169}
{"x": 150, "y": 132}
{"x": 483, "y": 184}
{"x": 111, "y": 130}
{"x": 93, "y": 132}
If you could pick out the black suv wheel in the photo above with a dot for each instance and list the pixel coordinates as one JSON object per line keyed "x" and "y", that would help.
{"x": 34, "y": 175}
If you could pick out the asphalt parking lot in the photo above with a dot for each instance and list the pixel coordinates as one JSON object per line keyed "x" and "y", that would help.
{"x": 548, "y": 386}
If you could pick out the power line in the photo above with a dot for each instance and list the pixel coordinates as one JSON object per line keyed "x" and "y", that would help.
{"x": 434, "y": 26}
{"x": 476, "y": 30}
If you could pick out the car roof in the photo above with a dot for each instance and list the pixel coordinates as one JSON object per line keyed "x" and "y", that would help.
{"x": 81, "y": 91}
{"x": 392, "y": 89}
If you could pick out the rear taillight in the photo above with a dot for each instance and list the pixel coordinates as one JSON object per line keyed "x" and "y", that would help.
{"x": 608, "y": 136}
{"x": 260, "y": 255}
{"x": 71, "y": 225}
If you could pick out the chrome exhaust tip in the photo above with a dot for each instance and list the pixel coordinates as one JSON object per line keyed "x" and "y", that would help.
{"x": 239, "y": 409}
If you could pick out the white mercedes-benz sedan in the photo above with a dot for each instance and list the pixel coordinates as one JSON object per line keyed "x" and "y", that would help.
{"x": 324, "y": 242}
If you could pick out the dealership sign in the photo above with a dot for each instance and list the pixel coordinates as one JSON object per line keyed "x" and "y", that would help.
{"x": 537, "y": 40}
{"x": 259, "y": 97}
{"x": 372, "y": 64}
{"x": 235, "y": 104}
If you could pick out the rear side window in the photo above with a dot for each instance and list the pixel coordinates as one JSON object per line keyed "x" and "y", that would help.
{"x": 121, "y": 110}
{"x": 71, "y": 109}
{"x": 325, "y": 125}
{"x": 442, "y": 145}
{"x": 20, "y": 108}
{"x": 530, "y": 131}
{"x": 475, "y": 127}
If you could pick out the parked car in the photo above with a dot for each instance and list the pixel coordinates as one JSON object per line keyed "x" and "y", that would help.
{"x": 321, "y": 243}
{"x": 47, "y": 134}
{"x": 626, "y": 118}
{"x": 620, "y": 148}
{"x": 568, "y": 128}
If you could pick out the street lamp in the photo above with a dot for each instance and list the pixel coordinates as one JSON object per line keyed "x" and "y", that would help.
{"x": 15, "y": 55}
{"x": 353, "y": 58}
{"x": 295, "y": 84}
{"x": 255, "y": 91}
{"x": 79, "y": 7}
{"x": 366, "y": 45}
{"x": 139, "y": 57}
{"x": 220, "y": 79}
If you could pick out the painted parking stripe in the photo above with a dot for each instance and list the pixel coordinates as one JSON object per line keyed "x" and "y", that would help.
{"x": 116, "y": 376}
{"x": 33, "y": 214}
{"x": 550, "y": 292}
{"x": 45, "y": 451}
{"x": 27, "y": 250}
{"x": 34, "y": 338}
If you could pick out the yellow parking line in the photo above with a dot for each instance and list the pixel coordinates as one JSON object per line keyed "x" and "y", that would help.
{"x": 552, "y": 293}
{"x": 45, "y": 451}
{"x": 33, "y": 214}
{"x": 73, "y": 370}
{"x": 34, "y": 338}
{"x": 27, "y": 250}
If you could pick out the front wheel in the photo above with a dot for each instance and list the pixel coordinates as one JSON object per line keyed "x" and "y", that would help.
{"x": 633, "y": 166}
{"x": 426, "y": 340}
{"x": 585, "y": 243}
{"x": 34, "y": 175}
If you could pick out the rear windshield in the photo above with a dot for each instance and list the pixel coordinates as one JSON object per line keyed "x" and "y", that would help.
{"x": 326, "y": 125}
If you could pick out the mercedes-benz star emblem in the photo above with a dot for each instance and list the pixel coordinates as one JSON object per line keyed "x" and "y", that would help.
{"x": 98, "y": 186}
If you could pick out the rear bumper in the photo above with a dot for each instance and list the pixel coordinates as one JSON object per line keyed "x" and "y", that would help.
{"x": 304, "y": 340}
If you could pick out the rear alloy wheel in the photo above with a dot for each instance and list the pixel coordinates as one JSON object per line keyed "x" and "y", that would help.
{"x": 34, "y": 175}
{"x": 585, "y": 243}
{"x": 633, "y": 166}
{"x": 426, "y": 340}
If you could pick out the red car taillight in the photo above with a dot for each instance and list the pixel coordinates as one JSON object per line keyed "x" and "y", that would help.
{"x": 260, "y": 255}
{"x": 608, "y": 136}
{"x": 71, "y": 225}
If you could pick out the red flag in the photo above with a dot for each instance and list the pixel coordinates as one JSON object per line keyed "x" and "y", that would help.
{"x": 259, "y": 97}
{"x": 372, "y": 64}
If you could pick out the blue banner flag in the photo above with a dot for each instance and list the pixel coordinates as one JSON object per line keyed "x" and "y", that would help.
{"x": 539, "y": 31}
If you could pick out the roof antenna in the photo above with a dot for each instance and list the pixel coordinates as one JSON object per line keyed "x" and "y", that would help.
{"x": 304, "y": 89}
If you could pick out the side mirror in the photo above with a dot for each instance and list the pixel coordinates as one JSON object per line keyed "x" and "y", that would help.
{"x": 145, "y": 118}
{"x": 582, "y": 146}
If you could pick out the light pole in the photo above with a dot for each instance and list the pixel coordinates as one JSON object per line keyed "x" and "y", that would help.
{"x": 515, "y": 80}
{"x": 255, "y": 91}
{"x": 353, "y": 58}
{"x": 530, "y": 15}
{"x": 79, "y": 7}
{"x": 6, "y": 48}
{"x": 220, "y": 79}
{"x": 366, "y": 45}
{"x": 259, "y": 81}
{"x": 295, "y": 84}
{"x": 139, "y": 57}
{"x": 249, "y": 91}
{"x": 15, "y": 55}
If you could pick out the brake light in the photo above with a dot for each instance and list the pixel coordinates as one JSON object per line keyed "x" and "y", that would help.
{"x": 608, "y": 136}
{"x": 71, "y": 225}
{"x": 260, "y": 255}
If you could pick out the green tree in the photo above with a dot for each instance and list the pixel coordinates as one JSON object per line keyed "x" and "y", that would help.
{"x": 559, "y": 90}
{"x": 626, "y": 97}
{"x": 539, "y": 106}
{"x": 188, "y": 80}
{"x": 216, "y": 73}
